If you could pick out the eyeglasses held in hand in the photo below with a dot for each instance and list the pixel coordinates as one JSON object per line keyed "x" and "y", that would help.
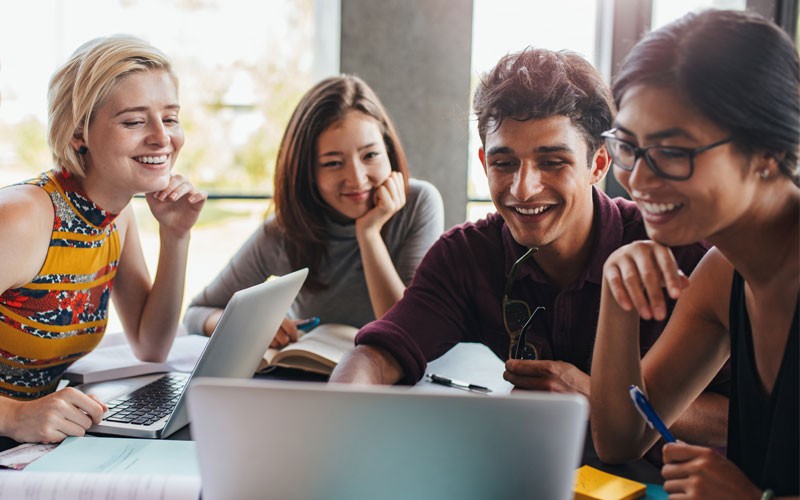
{"x": 669, "y": 162}
{"x": 517, "y": 317}
{"x": 523, "y": 349}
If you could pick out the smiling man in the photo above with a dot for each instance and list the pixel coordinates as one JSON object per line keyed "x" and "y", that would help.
{"x": 539, "y": 259}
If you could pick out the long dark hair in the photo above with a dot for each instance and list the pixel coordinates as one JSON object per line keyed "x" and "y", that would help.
{"x": 739, "y": 69}
{"x": 299, "y": 208}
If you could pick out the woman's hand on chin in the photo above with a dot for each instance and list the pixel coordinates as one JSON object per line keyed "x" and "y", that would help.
{"x": 388, "y": 198}
{"x": 177, "y": 207}
{"x": 638, "y": 273}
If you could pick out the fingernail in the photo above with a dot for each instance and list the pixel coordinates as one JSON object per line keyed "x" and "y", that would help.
{"x": 173, "y": 196}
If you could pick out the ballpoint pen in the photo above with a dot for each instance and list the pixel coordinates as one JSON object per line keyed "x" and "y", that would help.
{"x": 308, "y": 324}
{"x": 649, "y": 414}
{"x": 438, "y": 379}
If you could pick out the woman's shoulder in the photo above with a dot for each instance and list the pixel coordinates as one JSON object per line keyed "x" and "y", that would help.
{"x": 711, "y": 283}
{"x": 424, "y": 205}
{"x": 20, "y": 204}
{"x": 26, "y": 215}
{"x": 419, "y": 187}
{"x": 423, "y": 193}
{"x": 270, "y": 229}
{"x": 714, "y": 265}
{"x": 266, "y": 243}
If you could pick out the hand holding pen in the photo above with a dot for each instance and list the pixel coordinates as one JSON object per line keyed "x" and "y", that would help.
{"x": 290, "y": 329}
{"x": 694, "y": 471}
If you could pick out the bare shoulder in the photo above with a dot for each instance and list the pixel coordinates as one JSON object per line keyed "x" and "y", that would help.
{"x": 26, "y": 215}
{"x": 713, "y": 270}
{"x": 25, "y": 210}
{"x": 710, "y": 290}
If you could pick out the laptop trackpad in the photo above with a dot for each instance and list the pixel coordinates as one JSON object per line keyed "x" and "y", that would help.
{"x": 111, "y": 389}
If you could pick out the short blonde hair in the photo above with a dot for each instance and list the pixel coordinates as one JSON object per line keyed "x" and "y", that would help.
{"x": 82, "y": 84}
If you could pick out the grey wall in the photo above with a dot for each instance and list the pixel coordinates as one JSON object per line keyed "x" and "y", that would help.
{"x": 416, "y": 55}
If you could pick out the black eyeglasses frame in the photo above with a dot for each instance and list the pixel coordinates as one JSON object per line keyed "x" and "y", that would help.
{"x": 519, "y": 347}
{"x": 643, "y": 152}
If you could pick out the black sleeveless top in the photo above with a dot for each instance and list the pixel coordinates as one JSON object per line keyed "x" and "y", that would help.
{"x": 763, "y": 429}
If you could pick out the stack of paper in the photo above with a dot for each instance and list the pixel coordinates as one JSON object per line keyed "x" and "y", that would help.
{"x": 94, "y": 468}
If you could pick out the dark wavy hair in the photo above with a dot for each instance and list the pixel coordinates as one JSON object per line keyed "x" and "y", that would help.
{"x": 738, "y": 68}
{"x": 537, "y": 83}
{"x": 299, "y": 208}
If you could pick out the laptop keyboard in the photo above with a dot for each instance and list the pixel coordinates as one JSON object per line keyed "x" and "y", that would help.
{"x": 149, "y": 403}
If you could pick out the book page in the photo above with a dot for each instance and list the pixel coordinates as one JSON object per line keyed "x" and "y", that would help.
{"x": 118, "y": 361}
{"x": 90, "y": 486}
{"x": 326, "y": 344}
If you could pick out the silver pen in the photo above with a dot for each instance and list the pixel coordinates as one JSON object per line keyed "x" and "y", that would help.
{"x": 449, "y": 382}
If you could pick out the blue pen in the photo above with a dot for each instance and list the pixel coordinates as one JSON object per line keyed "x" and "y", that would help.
{"x": 649, "y": 414}
{"x": 308, "y": 324}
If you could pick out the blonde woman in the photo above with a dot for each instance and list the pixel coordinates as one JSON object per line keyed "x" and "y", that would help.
{"x": 114, "y": 132}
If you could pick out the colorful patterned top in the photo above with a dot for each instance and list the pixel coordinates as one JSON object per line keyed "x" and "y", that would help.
{"x": 62, "y": 313}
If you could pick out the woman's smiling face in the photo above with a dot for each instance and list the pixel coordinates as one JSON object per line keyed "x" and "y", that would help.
{"x": 722, "y": 187}
{"x": 351, "y": 162}
{"x": 135, "y": 136}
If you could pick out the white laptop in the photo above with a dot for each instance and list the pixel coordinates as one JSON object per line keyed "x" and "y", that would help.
{"x": 247, "y": 326}
{"x": 293, "y": 440}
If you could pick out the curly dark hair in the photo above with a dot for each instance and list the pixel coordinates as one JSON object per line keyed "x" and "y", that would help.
{"x": 537, "y": 83}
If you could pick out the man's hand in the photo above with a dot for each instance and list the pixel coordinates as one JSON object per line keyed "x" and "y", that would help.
{"x": 551, "y": 376}
{"x": 50, "y": 419}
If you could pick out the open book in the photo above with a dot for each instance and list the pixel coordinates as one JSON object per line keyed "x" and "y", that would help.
{"x": 112, "y": 362}
{"x": 318, "y": 351}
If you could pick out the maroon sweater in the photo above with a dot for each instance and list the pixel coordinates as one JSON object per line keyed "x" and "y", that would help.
{"x": 456, "y": 295}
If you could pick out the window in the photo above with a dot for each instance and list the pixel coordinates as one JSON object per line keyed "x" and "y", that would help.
{"x": 503, "y": 26}
{"x": 242, "y": 67}
{"x": 666, "y": 11}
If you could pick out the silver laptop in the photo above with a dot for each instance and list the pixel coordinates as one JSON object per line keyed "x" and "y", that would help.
{"x": 292, "y": 440}
{"x": 154, "y": 406}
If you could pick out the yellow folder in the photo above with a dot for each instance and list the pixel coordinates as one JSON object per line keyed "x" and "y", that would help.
{"x": 594, "y": 484}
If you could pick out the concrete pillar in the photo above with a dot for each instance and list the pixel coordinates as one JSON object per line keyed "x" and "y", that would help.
{"x": 416, "y": 55}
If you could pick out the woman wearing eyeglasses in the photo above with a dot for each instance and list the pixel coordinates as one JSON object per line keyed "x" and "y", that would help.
{"x": 706, "y": 142}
